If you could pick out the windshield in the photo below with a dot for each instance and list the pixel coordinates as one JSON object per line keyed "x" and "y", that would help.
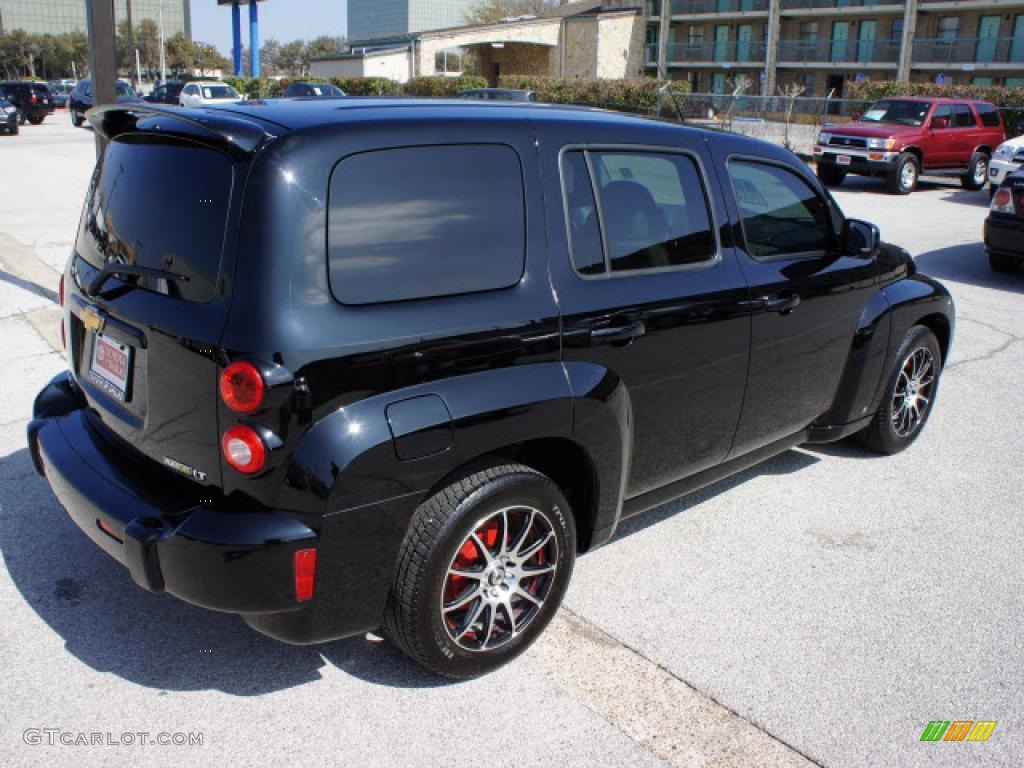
{"x": 219, "y": 92}
{"x": 901, "y": 112}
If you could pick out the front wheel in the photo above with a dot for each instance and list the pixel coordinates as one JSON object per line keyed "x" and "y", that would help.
{"x": 21, "y": 117}
{"x": 483, "y": 568}
{"x": 909, "y": 394}
{"x": 830, "y": 175}
{"x": 1000, "y": 262}
{"x": 903, "y": 178}
{"x": 977, "y": 172}
{"x": 76, "y": 118}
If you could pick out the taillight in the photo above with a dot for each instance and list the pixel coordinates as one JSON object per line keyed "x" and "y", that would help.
{"x": 1002, "y": 201}
{"x": 241, "y": 387}
{"x": 63, "y": 333}
{"x": 305, "y": 574}
{"x": 243, "y": 449}
{"x": 32, "y": 97}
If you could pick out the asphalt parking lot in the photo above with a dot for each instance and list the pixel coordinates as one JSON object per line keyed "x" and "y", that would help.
{"x": 821, "y": 608}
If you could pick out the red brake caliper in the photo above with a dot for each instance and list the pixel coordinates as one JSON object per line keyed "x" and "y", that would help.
{"x": 469, "y": 558}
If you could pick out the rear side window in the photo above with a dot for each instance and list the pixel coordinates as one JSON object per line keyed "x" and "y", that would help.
{"x": 782, "y": 215}
{"x": 160, "y": 205}
{"x": 963, "y": 117}
{"x": 422, "y": 222}
{"x": 652, "y": 211}
{"x": 989, "y": 115}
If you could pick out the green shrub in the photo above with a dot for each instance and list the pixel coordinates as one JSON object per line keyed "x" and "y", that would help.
{"x": 634, "y": 92}
{"x": 1012, "y": 98}
{"x": 440, "y": 86}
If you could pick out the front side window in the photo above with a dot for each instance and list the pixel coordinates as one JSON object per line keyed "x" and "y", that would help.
{"x": 424, "y": 222}
{"x": 943, "y": 112}
{"x": 653, "y": 211}
{"x": 782, "y": 215}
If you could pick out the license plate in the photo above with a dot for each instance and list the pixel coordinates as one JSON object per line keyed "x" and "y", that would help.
{"x": 111, "y": 366}
{"x": 843, "y": 159}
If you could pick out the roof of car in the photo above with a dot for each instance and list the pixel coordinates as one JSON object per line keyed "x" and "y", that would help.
{"x": 300, "y": 114}
{"x": 933, "y": 99}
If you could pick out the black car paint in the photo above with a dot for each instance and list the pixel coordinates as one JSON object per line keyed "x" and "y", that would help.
{"x": 1004, "y": 232}
{"x": 371, "y": 408}
{"x": 8, "y": 120}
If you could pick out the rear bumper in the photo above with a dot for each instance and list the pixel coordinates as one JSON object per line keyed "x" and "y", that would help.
{"x": 162, "y": 530}
{"x": 1005, "y": 236}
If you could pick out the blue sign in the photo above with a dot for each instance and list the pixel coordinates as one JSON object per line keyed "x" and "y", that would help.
{"x": 858, "y": 78}
{"x": 940, "y": 79}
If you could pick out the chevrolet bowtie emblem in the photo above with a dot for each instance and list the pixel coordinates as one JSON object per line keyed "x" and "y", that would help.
{"x": 92, "y": 319}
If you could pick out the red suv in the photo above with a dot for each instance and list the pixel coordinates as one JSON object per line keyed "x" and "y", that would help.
{"x": 901, "y": 138}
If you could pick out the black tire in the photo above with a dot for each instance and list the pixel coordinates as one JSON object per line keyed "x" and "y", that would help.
{"x": 830, "y": 176}
{"x": 1000, "y": 262}
{"x": 884, "y": 434}
{"x": 904, "y": 176}
{"x": 439, "y": 536}
{"x": 977, "y": 172}
{"x": 14, "y": 128}
{"x": 37, "y": 119}
{"x": 76, "y": 118}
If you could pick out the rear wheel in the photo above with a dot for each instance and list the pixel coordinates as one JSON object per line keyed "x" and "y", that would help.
{"x": 76, "y": 118}
{"x": 482, "y": 570}
{"x": 909, "y": 394}
{"x": 37, "y": 119}
{"x": 903, "y": 178}
{"x": 977, "y": 172}
{"x": 1002, "y": 263}
{"x": 830, "y": 176}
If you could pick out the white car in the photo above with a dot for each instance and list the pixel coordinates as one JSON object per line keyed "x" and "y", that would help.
{"x": 203, "y": 93}
{"x": 1008, "y": 157}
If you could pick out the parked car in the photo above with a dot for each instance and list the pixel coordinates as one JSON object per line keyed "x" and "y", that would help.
{"x": 32, "y": 100}
{"x": 313, "y": 90}
{"x": 498, "y": 94}
{"x": 81, "y": 99}
{"x": 1004, "y": 227}
{"x": 166, "y": 93}
{"x": 61, "y": 93}
{"x": 898, "y": 139}
{"x": 205, "y": 93}
{"x": 409, "y": 359}
{"x": 8, "y": 115}
{"x": 1008, "y": 157}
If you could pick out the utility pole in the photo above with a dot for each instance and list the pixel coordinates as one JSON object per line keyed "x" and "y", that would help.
{"x": 131, "y": 34}
{"x": 163, "y": 50}
{"x": 102, "y": 55}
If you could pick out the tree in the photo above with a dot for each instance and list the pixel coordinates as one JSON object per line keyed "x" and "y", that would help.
{"x": 179, "y": 53}
{"x": 205, "y": 56}
{"x": 324, "y": 46}
{"x": 293, "y": 58}
{"x": 490, "y": 11}
{"x": 270, "y": 56}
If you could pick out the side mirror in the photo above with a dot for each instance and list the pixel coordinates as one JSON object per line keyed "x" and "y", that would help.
{"x": 860, "y": 238}
{"x": 939, "y": 123}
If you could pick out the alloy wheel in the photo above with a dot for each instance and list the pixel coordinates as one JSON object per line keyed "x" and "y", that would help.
{"x": 499, "y": 578}
{"x": 980, "y": 172}
{"x": 913, "y": 393}
{"x": 908, "y": 175}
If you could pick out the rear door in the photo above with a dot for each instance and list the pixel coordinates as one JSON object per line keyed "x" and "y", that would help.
{"x": 940, "y": 151}
{"x": 646, "y": 291}
{"x": 143, "y": 347}
{"x": 808, "y": 297}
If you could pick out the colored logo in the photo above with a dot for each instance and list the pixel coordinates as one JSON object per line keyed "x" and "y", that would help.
{"x": 958, "y": 730}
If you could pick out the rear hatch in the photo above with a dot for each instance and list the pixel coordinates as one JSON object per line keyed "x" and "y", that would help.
{"x": 41, "y": 96}
{"x": 146, "y": 298}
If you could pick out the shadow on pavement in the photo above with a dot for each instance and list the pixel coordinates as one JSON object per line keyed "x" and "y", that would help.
{"x": 155, "y": 640}
{"x": 784, "y": 464}
{"x": 968, "y": 263}
{"x": 28, "y": 285}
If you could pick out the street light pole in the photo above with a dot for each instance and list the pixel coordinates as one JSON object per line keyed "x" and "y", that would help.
{"x": 102, "y": 55}
{"x": 163, "y": 51}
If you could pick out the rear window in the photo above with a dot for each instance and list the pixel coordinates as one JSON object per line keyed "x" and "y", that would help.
{"x": 159, "y": 205}
{"x": 421, "y": 222}
{"x": 989, "y": 115}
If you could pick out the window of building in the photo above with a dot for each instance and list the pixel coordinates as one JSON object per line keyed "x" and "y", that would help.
{"x": 808, "y": 30}
{"x": 782, "y": 215}
{"x": 653, "y": 212}
{"x": 421, "y": 222}
{"x": 981, "y": 81}
{"x": 696, "y": 36}
{"x": 897, "y": 30}
{"x": 1014, "y": 82}
{"x": 949, "y": 28}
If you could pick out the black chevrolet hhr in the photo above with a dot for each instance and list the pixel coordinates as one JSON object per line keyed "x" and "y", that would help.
{"x": 396, "y": 363}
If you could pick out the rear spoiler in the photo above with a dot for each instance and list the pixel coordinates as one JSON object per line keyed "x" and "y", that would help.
{"x": 239, "y": 136}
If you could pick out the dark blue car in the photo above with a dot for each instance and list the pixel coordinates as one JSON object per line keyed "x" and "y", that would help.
{"x": 81, "y": 99}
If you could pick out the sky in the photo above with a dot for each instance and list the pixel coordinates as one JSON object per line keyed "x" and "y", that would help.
{"x": 284, "y": 20}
